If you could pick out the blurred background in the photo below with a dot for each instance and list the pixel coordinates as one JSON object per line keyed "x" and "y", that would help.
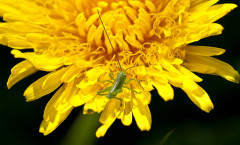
{"x": 19, "y": 120}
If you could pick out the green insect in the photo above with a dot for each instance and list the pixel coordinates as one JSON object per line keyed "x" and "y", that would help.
{"x": 120, "y": 81}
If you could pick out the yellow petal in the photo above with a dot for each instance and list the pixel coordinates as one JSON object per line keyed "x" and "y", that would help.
{"x": 94, "y": 74}
{"x": 150, "y": 5}
{"x": 210, "y": 14}
{"x": 198, "y": 95}
{"x": 144, "y": 96}
{"x": 39, "y": 38}
{"x": 47, "y": 127}
{"x": 7, "y": 8}
{"x": 50, "y": 104}
{"x": 51, "y": 78}
{"x": 101, "y": 131}
{"x": 92, "y": 77}
{"x": 141, "y": 70}
{"x": 204, "y": 50}
{"x": 127, "y": 116}
{"x": 19, "y": 72}
{"x": 56, "y": 111}
{"x": 19, "y": 44}
{"x": 84, "y": 95}
{"x": 40, "y": 88}
{"x": 61, "y": 104}
{"x": 41, "y": 62}
{"x": 164, "y": 90}
{"x": 201, "y": 31}
{"x": 142, "y": 116}
{"x": 147, "y": 84}
{"x": 80, "y": 22}
{"x": 201, "y": 5}
{"x": 91, "y": 34}
{"x": 187, "y": 73}
{"x": 10, "y": 17}
{"x": 125, "y": 95}
{"x": 218, "y": 11}
{"x": 211, "y": 66}
{"x": 71, "y": 74}
{"x": 108, "y": 113}
{"x": 95, "y": 105}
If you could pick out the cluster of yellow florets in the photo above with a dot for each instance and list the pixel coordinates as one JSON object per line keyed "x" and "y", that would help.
{"x": 67, "y": 40}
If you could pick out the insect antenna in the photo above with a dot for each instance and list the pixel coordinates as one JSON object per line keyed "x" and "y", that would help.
{"x": 109, "y": 40}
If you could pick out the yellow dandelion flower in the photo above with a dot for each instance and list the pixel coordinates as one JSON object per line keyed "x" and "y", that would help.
{"x": 66, "y": 39}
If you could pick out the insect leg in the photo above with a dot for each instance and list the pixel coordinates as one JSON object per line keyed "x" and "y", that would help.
{"x": 102, "y": 94}
{"x": 130, "y": 81}
{"x": 111, "y": 75}
{"x": 104, "y": 90}
{"x": 117, "y": 91}
{"x": 131, "y": 89}
{"x": 106, "y": 81}
{"x": 114, "y": 93}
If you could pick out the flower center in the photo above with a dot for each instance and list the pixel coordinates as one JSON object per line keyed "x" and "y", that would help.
{"x": 138, "y": 31}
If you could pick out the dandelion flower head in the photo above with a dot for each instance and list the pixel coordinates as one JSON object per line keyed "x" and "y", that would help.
{"x": 66, "y": 39}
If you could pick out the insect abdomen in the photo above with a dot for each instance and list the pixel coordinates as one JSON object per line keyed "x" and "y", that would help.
{"x": 118, "y": 84}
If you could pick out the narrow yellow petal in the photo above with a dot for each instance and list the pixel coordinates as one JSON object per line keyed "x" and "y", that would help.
{"x": 204, "y": 30}
{"x": 147, "y": 85}
{"x": 51, "y": 102}
{"x": 108, "y": 113}
{"x": 36, "y": 90}
{"x": 80, "y": 22}
{"x": 10, "y": 17}
{"x": 54, "y": 78}
{"x": 62, "y": 104}
{"x": 201, "y": 5}
{"x": 164, "y": 90}
{"x": 70, "y": 74}
{"x": 19, "y": 72}
{"x": 41, "y": 62}
{"x": 101, "y": 131}
{"x": 187, "y": 73}
{"x": 200, "y": 68}
{"x": 91, "y": 20}
{"x": 97, "y": 104}
{"x": 84, "y": 95}
{"x": 150, "y": 5}
{"x": 39, "y": 38}
{"x": 198, "y": 96}
{"x": 142, "y": 116}
{"x": 6, "y": 8}
{"x": 56, "y": 110}
{"x": 204, "y": 50}
{"x": 144, "y": 96}
{"x": 19, "y": 44}
{"x": 91, "y": 34}
{"x": 98, "y": 37}
{"x": 127, "y": 116}
{"x": 212, "y": 66}
{"x": 210, "y": 14}
{"x": 47, "y": 127}
{"x": 218, "y": 11}
{"x": 92, "y": 77}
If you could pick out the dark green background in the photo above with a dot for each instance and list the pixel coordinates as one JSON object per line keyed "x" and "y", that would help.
{"x": 20, "y": 120}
